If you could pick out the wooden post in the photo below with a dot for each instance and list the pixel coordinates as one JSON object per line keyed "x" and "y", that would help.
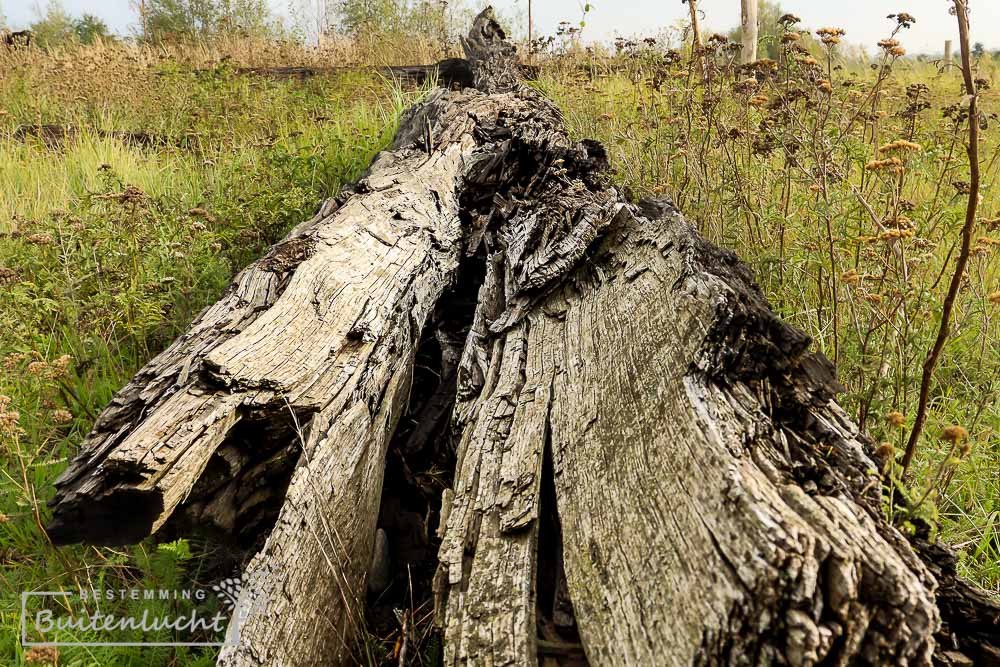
{"x": 947, "y": 52}
{"x": 748, "y": 25}
{"x": 531, "y": 47}
{"x": 696, "y": 54}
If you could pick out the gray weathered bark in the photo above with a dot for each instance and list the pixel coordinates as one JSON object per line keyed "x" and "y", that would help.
{"x": 628, "y": 411}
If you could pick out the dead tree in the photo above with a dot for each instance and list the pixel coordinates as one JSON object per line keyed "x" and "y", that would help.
{"x": 18, "y": 39}
{"x": 748, "y": 30}
{"x": 645, "y": 456}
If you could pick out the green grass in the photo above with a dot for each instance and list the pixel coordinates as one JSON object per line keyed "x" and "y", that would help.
{"x": 108, "y": 250}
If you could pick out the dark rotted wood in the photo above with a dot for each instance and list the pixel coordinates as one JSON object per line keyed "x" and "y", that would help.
{"x": 449, "y": 73}
{"x": 55, "y": 136}
{"x": 20, "y": 38}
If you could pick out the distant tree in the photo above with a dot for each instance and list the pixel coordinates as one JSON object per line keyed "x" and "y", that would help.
{"x": 978, "y": 50}
{"x": 179, "y": 19}
{"x": 89, "y": 28}
{"x": 748, "y": 30}
{"x": 52, "y": 25}
{"x": 175, "y": 19}
{"x": 245, "y": 16}
{"x": 768, "y": 30}
{"x": 370, "y": 15}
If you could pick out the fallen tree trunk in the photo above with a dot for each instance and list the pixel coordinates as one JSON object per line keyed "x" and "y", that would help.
{"x": 649, "y": 466}
{"x": 448, "y": 73}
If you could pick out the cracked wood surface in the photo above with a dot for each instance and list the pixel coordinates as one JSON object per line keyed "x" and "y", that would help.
{"x": 330, "y": 338}
{"x": 726, "y": 556}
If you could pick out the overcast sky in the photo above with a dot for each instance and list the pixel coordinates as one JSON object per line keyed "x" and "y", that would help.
{"x": 864, "y": 20}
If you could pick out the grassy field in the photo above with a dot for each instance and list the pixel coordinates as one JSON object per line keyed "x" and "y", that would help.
{"x": 108, "y": 249}
{"x": 151, "y": 184}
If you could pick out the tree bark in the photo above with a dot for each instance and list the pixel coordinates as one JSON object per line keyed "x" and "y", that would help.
{"x": 650, "y": 467}
{"x": 448, "y": 72}
{"x": 697, "y": 52}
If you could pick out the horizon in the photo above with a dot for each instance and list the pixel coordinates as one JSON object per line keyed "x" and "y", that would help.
{"x": 864, "y": 21}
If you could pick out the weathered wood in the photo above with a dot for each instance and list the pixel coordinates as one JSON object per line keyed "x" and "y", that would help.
{"x": 56, "y": 136}
{"x": 17, "y": 39}
{"x": 627, "y": 410}
{"x": 688, "y": 432}
{"x": 450, "y": 72}
{"x": 748, "y": 31}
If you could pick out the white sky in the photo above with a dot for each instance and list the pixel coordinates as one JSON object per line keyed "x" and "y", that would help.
{"x": 864, "y": 20}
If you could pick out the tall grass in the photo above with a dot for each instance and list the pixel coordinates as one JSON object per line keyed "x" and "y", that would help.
{"x": 109, "y": 248}
{"x": 843, "y": 183}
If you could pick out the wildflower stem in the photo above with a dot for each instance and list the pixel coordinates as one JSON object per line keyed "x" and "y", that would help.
{"x": 930, "y": 363}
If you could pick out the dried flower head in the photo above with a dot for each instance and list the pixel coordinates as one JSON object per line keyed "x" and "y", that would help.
{"x": 40, "y": 238}
{"x": 885, "y": 452}
{"x": 62, "y": 416}
{"x": 954, "y": 434}
{"x": 851, "y": 277}
{"x": 42, "y": 655}
{"x": 13, "y": 360}
{"x": 900, "y": 146}
{"x": 903, "y": 19}
{"x": 994, "y": 298}
{"x": 10, "y": 423}
{"x": 893, "y": 234}
{"x": 895, "y": 418}
{"x": 831, "y": 36}
{"x": 38, "y": 368}
{"x": 892, "y": 164}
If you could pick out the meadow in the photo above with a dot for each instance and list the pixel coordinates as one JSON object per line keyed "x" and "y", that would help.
{"x": 136, "y": 180}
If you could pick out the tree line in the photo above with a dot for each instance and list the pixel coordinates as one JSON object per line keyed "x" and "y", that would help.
{"x": 179, "y": 20}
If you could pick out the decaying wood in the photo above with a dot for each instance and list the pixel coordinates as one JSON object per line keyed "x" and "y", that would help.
{"x": 448, "y": 72}
{"x": 55, "y": 136}
{"x": 651, "y": 467}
